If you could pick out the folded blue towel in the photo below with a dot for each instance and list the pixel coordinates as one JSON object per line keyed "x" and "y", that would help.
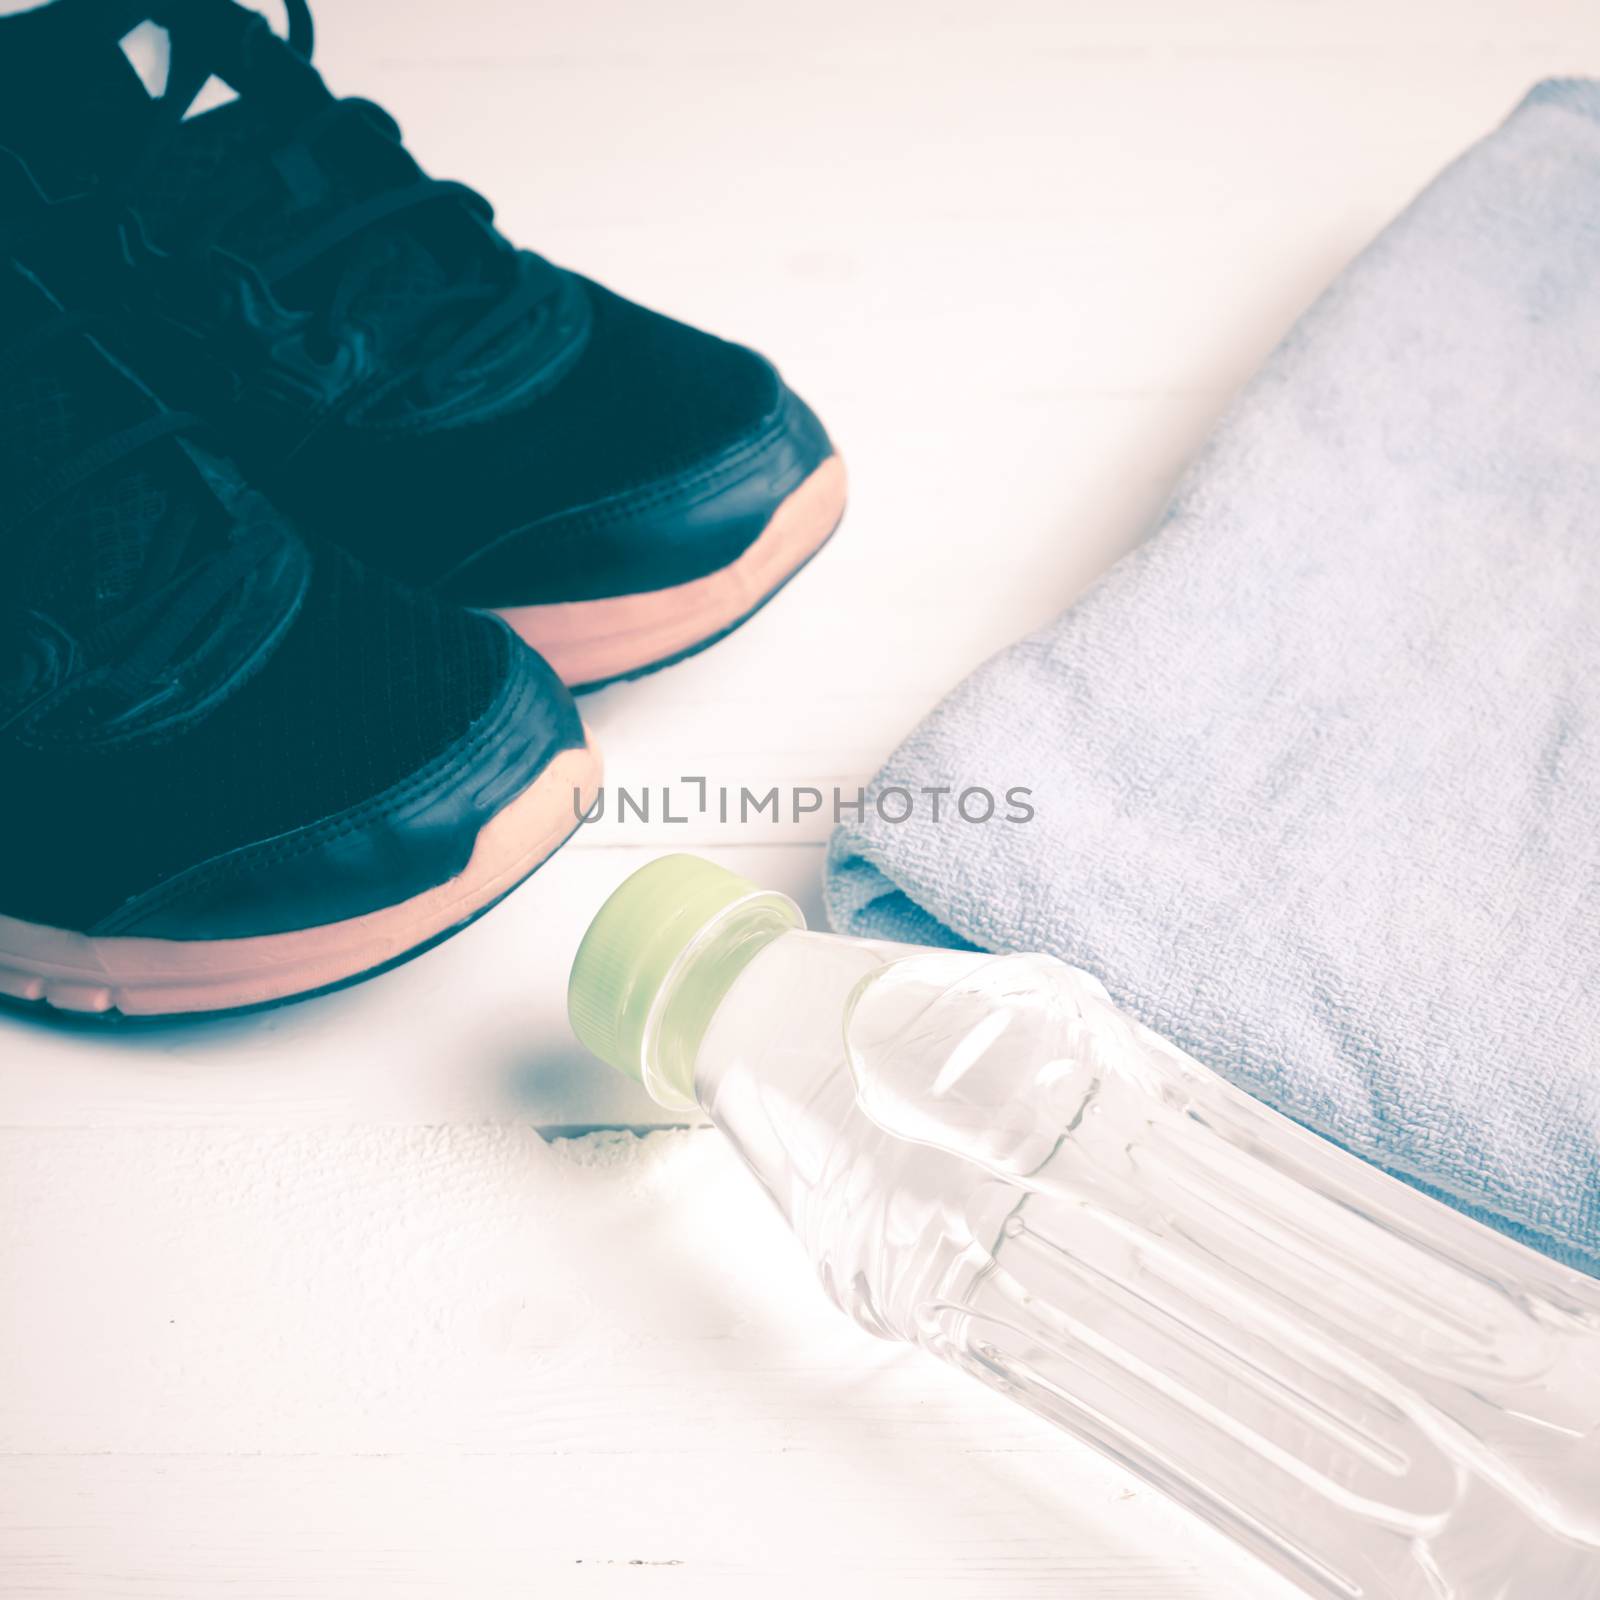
{"x": 1316, "y": 770}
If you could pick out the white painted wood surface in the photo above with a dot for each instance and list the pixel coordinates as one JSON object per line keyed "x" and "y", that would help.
{"x": 318, "y": 1304}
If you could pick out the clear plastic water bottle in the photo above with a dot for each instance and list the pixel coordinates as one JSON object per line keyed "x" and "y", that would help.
{"x": 982, "y": 1155}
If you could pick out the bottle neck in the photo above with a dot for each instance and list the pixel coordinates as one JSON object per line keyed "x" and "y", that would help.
{"x": 696, "y": 985}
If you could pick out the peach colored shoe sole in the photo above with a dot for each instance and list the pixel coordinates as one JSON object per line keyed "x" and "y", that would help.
{"x": 593, "y": 642}
{"x": 163, "y": 977}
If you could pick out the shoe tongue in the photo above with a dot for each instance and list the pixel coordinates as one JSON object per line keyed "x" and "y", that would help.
{"x": 87, "y": 555}
{"x": 405, "y": 263}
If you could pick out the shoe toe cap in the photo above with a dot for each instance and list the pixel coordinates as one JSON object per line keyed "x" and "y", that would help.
{"x": 410, "y": 838}
{"x": 671, "y": 528}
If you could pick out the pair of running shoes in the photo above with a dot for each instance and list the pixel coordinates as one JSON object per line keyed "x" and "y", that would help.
{"x": 319, "y": 499}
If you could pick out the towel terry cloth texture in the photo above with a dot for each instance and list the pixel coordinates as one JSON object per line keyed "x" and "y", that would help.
{"x": 1316, "y": 770}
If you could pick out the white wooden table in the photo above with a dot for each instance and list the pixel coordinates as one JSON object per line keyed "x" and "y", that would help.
{"x": 330, "y": 1303}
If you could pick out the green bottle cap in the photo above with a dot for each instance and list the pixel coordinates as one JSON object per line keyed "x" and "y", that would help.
{"x": 635, "y": 943}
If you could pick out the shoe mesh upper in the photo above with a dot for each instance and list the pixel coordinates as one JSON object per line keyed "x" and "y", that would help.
{"x": 369, "y": 684}
{"x": 83, "y": 554}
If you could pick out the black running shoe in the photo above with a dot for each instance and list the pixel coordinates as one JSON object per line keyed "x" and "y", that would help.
{"x": 231, "y": 771}
{"x": 459, "y": 413}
